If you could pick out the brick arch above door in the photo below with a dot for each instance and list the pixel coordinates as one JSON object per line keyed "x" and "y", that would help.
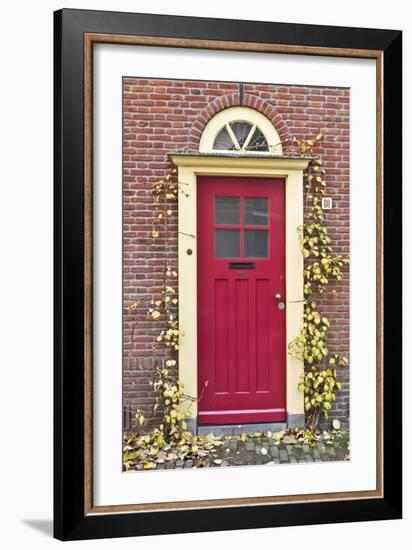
{"x": 236, "y": 100}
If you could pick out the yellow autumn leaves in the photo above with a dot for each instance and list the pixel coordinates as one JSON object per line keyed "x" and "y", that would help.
{"x": 319, "y": 388}
{"x": 305, "y": 146}
{"x": 321, "y": 265}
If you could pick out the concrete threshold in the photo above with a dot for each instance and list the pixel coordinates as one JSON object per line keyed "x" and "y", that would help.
{"x": 237, "y": 429}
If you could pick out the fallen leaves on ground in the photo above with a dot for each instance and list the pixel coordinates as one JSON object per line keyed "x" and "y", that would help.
{"x": 148, "y": 451}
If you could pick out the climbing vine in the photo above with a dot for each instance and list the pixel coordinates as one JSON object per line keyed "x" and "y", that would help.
{"x": 169, "y": 390}
{"x": 322, "y": 267}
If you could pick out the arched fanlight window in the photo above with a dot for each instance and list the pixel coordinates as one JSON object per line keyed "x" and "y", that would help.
{"x": 240, "y": 136}
{"x": 240, "y": 130}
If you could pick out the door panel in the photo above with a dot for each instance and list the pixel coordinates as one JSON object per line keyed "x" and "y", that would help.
{"x": 241, "y": 330}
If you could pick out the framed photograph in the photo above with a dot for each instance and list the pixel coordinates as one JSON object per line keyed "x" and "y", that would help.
{"x": 227, "y": 274}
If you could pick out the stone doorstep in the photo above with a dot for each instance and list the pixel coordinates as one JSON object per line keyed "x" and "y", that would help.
{"x": 238, "y": 429}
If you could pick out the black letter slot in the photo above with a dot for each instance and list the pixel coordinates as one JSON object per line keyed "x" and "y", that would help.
{"x": 241, "y": 265}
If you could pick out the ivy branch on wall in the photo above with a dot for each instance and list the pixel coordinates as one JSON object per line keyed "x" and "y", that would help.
{"x": 322, "y": 267}
{"x": 169, "y": 390}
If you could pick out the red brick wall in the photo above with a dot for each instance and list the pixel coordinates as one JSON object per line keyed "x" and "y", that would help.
{"x": 165, "y": 116}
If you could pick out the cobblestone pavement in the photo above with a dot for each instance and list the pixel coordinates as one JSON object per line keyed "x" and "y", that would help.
{"x": 266, "y": 451}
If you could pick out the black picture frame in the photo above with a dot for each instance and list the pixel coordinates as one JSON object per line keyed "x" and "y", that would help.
{"x": 70, "y": 520}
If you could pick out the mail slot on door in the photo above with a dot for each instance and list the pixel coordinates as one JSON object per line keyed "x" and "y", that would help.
{"x": 241, "y": 265}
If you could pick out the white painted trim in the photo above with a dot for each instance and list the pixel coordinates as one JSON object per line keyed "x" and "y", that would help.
{"x": 291, "y": 169}
{"x": 245, "y": 114}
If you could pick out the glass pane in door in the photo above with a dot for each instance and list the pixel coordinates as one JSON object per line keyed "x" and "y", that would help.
{"x": 256, "y": 243}
{"x": 227, "y": 243}
{"x": 227, "y": 210}
{"x": 256, "y": 211}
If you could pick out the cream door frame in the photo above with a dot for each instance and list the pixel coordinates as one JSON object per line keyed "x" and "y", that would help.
{"x": 189, "y": 167}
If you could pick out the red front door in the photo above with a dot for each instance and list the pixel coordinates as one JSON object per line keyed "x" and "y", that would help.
{"x": 241, "y": 295}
